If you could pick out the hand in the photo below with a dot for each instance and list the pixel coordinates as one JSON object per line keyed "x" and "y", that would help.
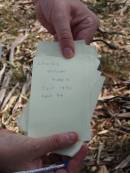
{"x": 18, "y": 152}
{"x": 67, "y": 20}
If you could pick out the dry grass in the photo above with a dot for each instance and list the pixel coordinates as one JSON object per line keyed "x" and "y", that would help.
{"x": 19, "y": 34}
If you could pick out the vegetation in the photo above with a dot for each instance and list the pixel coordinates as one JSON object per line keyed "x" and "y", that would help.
{"x": 19, "y": 34}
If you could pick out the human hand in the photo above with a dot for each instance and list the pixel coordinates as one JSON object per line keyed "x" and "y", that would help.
{"x": 67, "y": 20}
{"x": 18, "y": 152}
{"x": 76, "y": 163}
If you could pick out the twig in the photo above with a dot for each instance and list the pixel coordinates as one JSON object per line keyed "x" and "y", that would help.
{"x": 11, "y": 102}
{"x": 123, "y": 164}
{"x": 125, "y": 115}
{"x": 5, "y": 86}
{"x": 26, "y": 3}
{"x": 18, "y": 41}
{"x": 23, "y": 93}
{"x": 110, "y": 45}
{"x": 9, "y": 96}
{"x": 108, "y": 32}
{"x": 2, "y": 72}
{"x": 101, "y": 146}
{"x": 0, "y": 50}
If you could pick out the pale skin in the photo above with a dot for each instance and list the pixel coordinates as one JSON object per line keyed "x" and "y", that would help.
{"x": 67, "y": 20}
{"x": 18, "y": 152}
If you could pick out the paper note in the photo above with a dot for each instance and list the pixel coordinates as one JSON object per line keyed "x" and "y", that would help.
{"x": 64, "y": 93}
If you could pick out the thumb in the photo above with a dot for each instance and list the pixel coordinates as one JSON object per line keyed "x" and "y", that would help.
{"x": 42, "y": 146}
{"x": 63, "y": 31}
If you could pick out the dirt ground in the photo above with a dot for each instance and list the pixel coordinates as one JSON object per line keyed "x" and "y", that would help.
{"x": 19, "y": 35}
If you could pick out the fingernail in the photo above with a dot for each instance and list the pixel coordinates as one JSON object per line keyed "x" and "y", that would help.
{"x": 68, "y": 52}
{"x": 72, "y": 137}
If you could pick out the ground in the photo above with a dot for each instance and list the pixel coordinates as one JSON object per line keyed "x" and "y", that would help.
{"x": 19, "y": 35}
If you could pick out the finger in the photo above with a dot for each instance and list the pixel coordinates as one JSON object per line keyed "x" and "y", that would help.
{"x": 87, "y": 29}
{"x": 63, "y": 31}
{"x": 55, "y": 38}
{"x": 40, "y": 147}
{"x": 42, "y": 19}
{"x": 76, "y": 163}
{"x": 85, "y": 24}
{"x": 86, "y": 34}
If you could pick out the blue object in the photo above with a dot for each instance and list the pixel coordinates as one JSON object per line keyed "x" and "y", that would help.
{"x": 47, "y": 169}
